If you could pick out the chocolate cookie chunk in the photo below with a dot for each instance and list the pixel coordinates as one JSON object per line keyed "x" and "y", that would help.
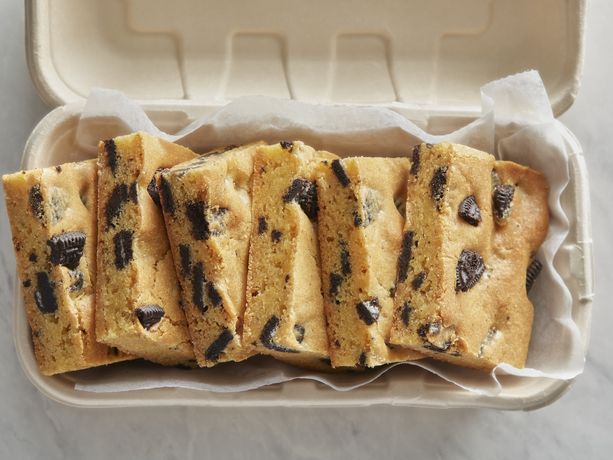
{"x": 149, "y": 315}
{"x": 503, "y": 199}
{"x": 534, "y": 269}
{"x": 437, "y": 185}
{"x": 67, "y": 249}
{"x": 415, "y": 160}
{"x": 469, "y": 270}
{"x": 368, "y": 310}
{"x": 214, "y": 351}
{"x": 405, "y": 256}
{"x": 268, "y": 334}
{"x": 44, "y": 294}
{"x": 339, "y": 172}
{"x": 36, "y": 202}
{"x": 469, "y": 210}
{"x": 304, "y": 193}
{"x": 122, "y": 243}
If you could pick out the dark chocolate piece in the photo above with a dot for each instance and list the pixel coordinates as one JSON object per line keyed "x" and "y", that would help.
{"x": 262, "y": 225}
{"x": 405, "y": 257}
{"x": 432, "y": 328}
{"x": 368, "y": 310}
{"x": 299, "y": 332}
{"x": 345, "y": 258}
{"x": 276, "y": 235}
{"x": 198, "y": 282}
{"x": 418, "y": 280}
{"x": 268, "y": 334}
{"x": 152, "y": 188}
{"x": 469, "y": 270}
{"x": 339, "y": 172}
{"x": 534, "y": 269}
{"x": 44, "y": 296}
{"x": 67, "y": 249}
{"x": 469, "y": 210}
{"x": 502, "y": 200}
{"x": 111, "y": 154}
{"x": 214, "y": 296}
{"x": 415, "y": 160}
{"x": 33, "y": 257}
{"x": 195, "y": 211}
{"x": 123, "y": 248}
{"x": 335, "y": 283}
{"x": 287, "y": 145}
{"x": 362, "y": 359}
{"x": 133, "y": 192}
{"x": 165, "y": 194}
{"x": 185, "y": 256}
{"x": 36, "y": 202}
{"x": 304, "y": 193}
{"x": 405, "y": 314}
{"x": 215, "y": 349}
{"x": 438, "y": 184}
{"x": 149, "y": 315}
{"x": 118, "y": 197}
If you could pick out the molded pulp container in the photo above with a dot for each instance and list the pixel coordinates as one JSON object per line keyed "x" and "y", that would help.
{"x": 424, "y": 59}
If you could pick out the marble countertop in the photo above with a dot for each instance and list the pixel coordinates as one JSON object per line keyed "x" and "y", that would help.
{"x": 580, "y": 425}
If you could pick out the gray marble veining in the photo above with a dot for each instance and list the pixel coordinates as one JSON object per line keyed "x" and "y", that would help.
{"x": 580, "y": 425}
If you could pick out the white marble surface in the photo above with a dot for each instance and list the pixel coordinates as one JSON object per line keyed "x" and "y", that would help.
{"x": 580, "y": 425}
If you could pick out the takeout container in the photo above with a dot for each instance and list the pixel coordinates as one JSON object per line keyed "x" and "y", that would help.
{"x": 425, "y": 60}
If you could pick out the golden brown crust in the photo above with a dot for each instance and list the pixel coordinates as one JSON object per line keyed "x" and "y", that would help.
{"x": 360, "y": 231}
{"x": 53, "y": 219}
{"x": 211, "y": 262}
{"x": 284, "y": 315}
{"x": 484, "y": 317}
{"x": 136, "y": 277}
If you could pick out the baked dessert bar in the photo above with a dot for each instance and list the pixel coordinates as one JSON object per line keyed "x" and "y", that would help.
{"x": 52, "y": 212}
{"x": 472, "y": 227}
{"x": 138, "y": 295}
{"x": 361, "y": 219}
{"x": 285, "y": 314}
{"x": 207, "y": 209}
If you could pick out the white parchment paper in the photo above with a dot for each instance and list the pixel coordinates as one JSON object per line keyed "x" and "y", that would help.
{"x": 516, "y": 124}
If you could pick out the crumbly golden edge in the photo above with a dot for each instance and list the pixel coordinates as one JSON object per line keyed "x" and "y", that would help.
{"x": 387, "y": 179}
{"x": 131, "y": 251}
{"x": 272, "y": 260}
{"x": 216, "y": 332}
{"x": 430, "y": 317}
{"x": 63, "y": 341}
{"x": 526, "y": 229}
{"x": 511, "y": 306}
{"x": 360, "y": 232}
{"x": 342, "y": 276}
{"x": 421, "y": 232}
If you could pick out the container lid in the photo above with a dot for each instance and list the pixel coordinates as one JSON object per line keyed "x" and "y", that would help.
{"x": 428, "y": 55}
